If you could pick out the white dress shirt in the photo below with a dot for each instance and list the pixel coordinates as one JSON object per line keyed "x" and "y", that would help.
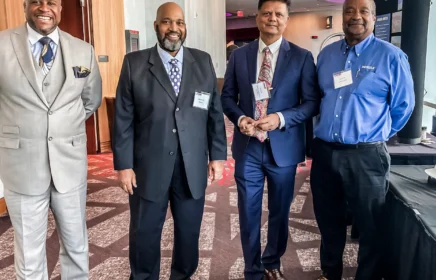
{"x": 275, "y": 50}
{"x": 36, "y": 47}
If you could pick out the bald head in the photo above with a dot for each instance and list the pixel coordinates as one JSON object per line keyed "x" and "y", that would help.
{"x": 169, "y": 7}
{"x": 170, "y": 27}
{"x": 27, "y": 1}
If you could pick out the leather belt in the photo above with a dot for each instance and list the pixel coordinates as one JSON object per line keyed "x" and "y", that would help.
{"x": 341, "y": 146}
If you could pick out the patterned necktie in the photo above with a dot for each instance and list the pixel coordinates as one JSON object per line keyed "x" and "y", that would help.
{"x": 175, "y": 76}
{"x": 46, "y": 54}
{"x": 265, "y": 75}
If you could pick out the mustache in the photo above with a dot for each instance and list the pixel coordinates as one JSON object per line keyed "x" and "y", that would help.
{"x": 156, "y": 29}
{"x": 173, "y": 33}
{"x": 356, "y": 23}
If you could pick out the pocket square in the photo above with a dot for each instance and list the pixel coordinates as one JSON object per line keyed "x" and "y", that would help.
{"x": 81, "y": 71}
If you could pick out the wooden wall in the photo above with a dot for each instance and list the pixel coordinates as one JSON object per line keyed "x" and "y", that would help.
{"x": 108, "y": 39}
{"x": 2, "y": 206}
{"x": 11, "y": 14}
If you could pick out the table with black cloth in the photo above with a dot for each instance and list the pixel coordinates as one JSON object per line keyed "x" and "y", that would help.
{"x": 407, "y": 154}
{"x": 410, "y": 225}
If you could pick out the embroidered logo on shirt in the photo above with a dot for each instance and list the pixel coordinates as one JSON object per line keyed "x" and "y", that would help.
{"x": 371, "y": 68}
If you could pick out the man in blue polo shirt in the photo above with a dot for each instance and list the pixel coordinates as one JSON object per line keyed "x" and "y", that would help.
{"x": 368, "y": 97}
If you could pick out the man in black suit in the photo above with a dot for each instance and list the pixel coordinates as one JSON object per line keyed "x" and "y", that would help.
{"x": 168, "y": 123}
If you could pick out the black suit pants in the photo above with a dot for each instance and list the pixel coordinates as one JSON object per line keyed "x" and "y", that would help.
{"x": 356, "y": 176}
{"x": 146, "y": 222}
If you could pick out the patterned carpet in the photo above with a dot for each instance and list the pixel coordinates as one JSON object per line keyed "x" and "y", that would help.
{"x": 220, "y": 255}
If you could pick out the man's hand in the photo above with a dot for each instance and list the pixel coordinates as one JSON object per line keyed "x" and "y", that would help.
{"x": 216, "y": 168}
{"x": 268, "y": 123}
{"x": 246, "y": 126}
{"x": 127, "y": 180}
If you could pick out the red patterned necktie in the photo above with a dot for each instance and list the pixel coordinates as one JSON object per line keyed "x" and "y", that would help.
{"x": 265, "y": 75}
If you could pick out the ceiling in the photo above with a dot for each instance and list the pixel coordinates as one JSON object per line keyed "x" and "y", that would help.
{"x": 249, "y": 7}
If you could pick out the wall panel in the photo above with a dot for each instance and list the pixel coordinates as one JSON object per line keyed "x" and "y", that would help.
{"x": 108, "y": 39}
{"x": 11, "y": 14}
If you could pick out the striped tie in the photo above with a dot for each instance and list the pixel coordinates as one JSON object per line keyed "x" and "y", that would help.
{"x": 265, "y": 75}
{"x": 46, "y": 55}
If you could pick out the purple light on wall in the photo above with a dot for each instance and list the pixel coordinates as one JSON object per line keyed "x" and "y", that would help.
{"x": 228, "y": 14}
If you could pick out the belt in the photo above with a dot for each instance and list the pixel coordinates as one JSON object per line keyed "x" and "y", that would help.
{"x": 341, "y": 146}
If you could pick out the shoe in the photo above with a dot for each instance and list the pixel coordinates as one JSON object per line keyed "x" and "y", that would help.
{"x": 322, "y": 277}
{"x": 274, "y": 274}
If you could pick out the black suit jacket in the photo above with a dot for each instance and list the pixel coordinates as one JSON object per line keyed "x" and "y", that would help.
{"x": 152, "y": 123}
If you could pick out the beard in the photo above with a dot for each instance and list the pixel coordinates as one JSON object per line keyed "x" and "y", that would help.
{"x": 167, "y": 44}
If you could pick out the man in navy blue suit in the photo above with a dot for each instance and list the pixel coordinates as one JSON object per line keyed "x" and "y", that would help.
{"x": 270, "y": 91}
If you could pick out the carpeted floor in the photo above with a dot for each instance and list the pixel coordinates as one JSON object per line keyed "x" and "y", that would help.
{"x": 220, "y": 255}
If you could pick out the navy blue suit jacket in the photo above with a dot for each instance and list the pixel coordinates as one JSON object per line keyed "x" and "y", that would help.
{"x": 295, "y": 94}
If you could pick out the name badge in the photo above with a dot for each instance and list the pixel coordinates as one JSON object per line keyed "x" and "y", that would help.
{"x": 201, "y": 100}
{"x": 342, "y": 79}
{"x": 261, "y": 92}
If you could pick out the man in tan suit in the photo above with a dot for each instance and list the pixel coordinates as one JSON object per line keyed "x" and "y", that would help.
{"x": 49, "y": 85}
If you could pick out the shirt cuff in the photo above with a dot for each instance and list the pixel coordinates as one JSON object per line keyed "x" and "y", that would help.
{"x": 282, "y": 120}
{"x": 240, "y": 118}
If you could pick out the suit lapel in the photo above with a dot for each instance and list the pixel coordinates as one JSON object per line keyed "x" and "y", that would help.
{"x": 252, "y": 69}
{"x": 65, "y": 44}
{"x": 21, "y": 45}
{"x": 252, "y": 61}
{"x": 161, "y": 75}
{"x": 282, "y": 63}
{"x": 187, "y": 75}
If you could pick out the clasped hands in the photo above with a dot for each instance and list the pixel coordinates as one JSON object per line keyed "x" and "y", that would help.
{"x": 248, "y": 126}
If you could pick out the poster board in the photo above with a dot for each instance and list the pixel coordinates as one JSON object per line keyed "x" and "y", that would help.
{"x": 383, "y": 27}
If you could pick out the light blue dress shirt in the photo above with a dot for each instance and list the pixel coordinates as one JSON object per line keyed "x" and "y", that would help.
{"x": 166, "y": 58}
{"x": 376, "y": 105}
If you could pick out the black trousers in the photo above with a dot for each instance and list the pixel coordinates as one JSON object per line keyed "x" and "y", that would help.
{"x": 146, "y": 222}
{"x": 357, "y": 176}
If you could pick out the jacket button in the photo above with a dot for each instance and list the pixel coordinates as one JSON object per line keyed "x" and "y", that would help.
{"x": 50, "y": 112}
{"x": 46, "y": 84}
{"x": 50, "y": 138}
{"x": 174, "y": 130}
{"x": 177, "y": 109}
{"x": 171, "y": 153}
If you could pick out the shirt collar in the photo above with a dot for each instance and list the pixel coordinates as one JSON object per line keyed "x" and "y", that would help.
{"x": 35, "y": 36}
{"x": 359, "y": 48}
{"x": 166, "y": 57}
{"x": 273, "y": 47}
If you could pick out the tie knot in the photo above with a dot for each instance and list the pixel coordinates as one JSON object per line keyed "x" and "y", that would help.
{"x": 174, "y": 61}
{"x": 45, "y": 40}
{"x": 267, "y": 50}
